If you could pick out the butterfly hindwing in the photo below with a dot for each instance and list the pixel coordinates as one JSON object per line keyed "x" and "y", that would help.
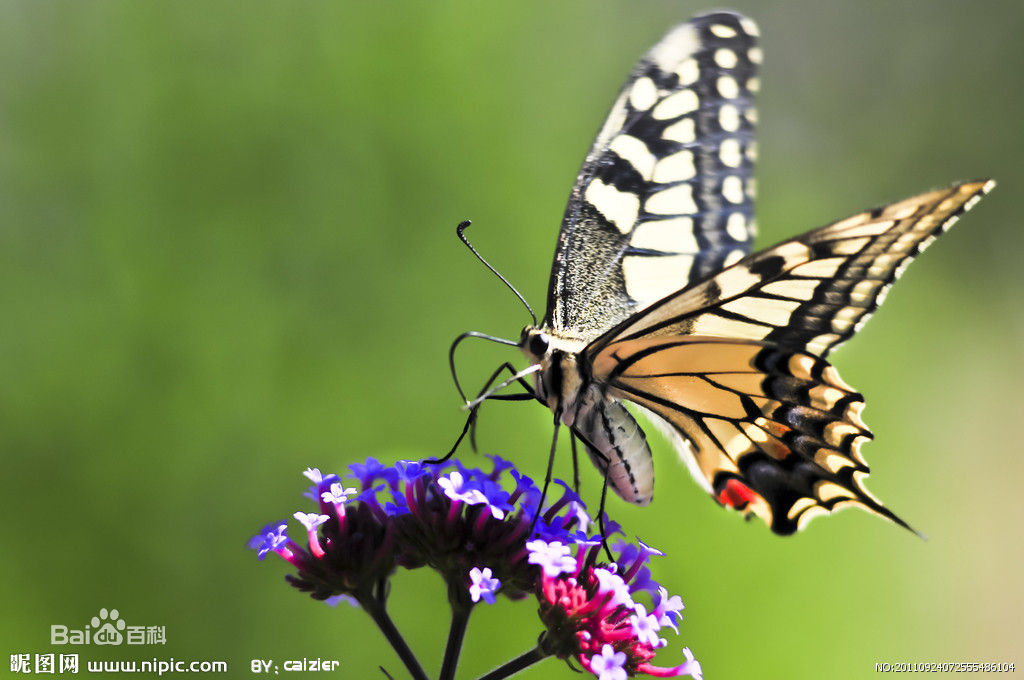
{"x": 665, "y": 195}
{"x": 771, "y": 432}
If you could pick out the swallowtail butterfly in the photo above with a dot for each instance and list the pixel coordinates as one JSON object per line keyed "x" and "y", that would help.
{"x": 655, "y": 299}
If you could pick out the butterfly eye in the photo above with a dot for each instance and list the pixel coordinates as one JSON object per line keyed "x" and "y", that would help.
{"x": 538, "y": 345}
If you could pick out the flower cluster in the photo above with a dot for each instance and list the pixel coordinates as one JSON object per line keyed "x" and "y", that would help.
{"x": 487, "y": 534}
{"x": 591, "y": 614}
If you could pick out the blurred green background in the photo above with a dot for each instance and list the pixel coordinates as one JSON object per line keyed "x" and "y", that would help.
{"x": 227, "y": 253}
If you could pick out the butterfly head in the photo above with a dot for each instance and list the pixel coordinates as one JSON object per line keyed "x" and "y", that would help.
{"x": 559, "y": 381}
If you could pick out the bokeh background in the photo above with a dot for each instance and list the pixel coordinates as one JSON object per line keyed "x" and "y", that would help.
{"x": 227, "y": 253}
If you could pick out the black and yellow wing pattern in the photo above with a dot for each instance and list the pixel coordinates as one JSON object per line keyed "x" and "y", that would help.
{"x": 655, "y": 299}
{"x": 736, "y": 363}
{"x": 665, "y": 194}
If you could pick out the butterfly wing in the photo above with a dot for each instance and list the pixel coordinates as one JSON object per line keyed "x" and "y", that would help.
{"x": 664, "y": 196}
{"x": 813, "y": 292}
{"x": 735, "y": 364}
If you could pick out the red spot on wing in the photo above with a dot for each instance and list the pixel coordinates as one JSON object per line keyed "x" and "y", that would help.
{"x": 736, "y": 494}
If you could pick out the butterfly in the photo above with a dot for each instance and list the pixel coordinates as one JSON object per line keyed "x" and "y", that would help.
{"x": 656, "y": 300}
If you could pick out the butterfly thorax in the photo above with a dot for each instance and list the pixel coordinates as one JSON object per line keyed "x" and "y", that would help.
{"x": 612, "y": 438}
{"x": 559, "y": 383}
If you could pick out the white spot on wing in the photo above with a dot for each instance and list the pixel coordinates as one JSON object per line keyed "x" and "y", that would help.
{"x": 675, "y": 168}
{"x": 723, "y": 31}
{"x": 730, "y": 153}
{"x": 709, "y": 324}
{"x": 856, "y": 226}
{"x": 673, "y": 235}
{"x": 725, "y": 58}
{"x": 800, "y": 289}
{"x": 675, "y": 201}
{"x": 825, "y": 268}
{"x": 736, "y": 280}
{"x": 618, "y": 207}
{"x": 728, "y": 87}
{"x": 729, "y": 118}
{"x": 764, "y": 310}
{"x": 864, "y": 292}
{"x": 643, "y": 94}
{"x": 736, "y": 226}
{"x": 684, "y": 131}
{"x": 634, "y": 152}
{"x": 755, "y": 55}
{"x": 749, "y": 26}
{"x": 901, "y": 212}
{"x": 732, "y": 189}
{"x": 675, "y": 105}
{"x": 650, "y": 278}
{"x": 680, "y": 43}
{"x": 733, "y": 257}
{"x": 688, "y": 72}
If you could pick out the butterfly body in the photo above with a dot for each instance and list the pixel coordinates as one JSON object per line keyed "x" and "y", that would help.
{"x": 656, "y": 300}
{"x": 612, "y": 436}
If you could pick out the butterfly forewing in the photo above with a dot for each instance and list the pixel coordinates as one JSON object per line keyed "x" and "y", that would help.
{"x": 665, "y": 195}
{"x": 815, "y": 291}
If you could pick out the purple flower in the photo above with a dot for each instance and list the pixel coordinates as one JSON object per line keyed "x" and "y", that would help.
{"x": 552, "y": 557}
{"x": 271, "y": 538}
{"x": 668, "y": 609}
{"x": 453, "y": 519}
{"x": 313, "y": 474}
{"x": 608, "y": 665}
{"x": 690, "y": 667}
{"x": 310, "y": 520}
{"x": 370, "y": 471}
{"x": 337, "y": 493}
{"x": 611, "y": 583}
{"x": 646, "y": 626}
{"x": 482, "y": 586}
{"x": 457, "y": 489}
{"x": 591, "y": 616}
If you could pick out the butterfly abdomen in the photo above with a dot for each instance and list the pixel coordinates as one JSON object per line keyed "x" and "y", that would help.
{"x": 617, "y": 446}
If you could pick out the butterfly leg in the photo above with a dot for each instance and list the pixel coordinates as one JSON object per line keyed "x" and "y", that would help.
{"x": 470, "y": 426}
{"x": 547, "y": 475}
{"x": 575, "y": 463}
{"x": 604, "y": 484}
{"x": 601, "y": 514}
{"x": 528, "y": 395}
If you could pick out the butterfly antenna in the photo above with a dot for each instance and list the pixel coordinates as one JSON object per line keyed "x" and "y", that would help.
{"x": 461, "y": 231}
{"x": 455, "y": 344}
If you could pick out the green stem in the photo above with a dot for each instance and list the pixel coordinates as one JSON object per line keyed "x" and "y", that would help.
{"x": 375, "y": 608}
{"x": 456, "y": 633}
{"x": 515, "y": 665}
